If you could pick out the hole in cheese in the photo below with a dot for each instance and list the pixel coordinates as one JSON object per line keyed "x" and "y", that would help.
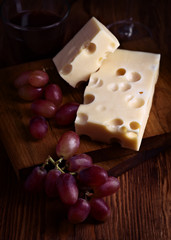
{"x": 123, "y": 129}
{"x": 114, "y": 125}
{"x": 66, "y": 69}
{"x": 95, "y": 82}
{"x": 129, "y": 98}
{"x": 82, "y": 118}
{"x": 89, "y": 98}
{"x": 125, "y": 86}
{"x": 106, "y": 54}
{"x": 113, "y": 87}
{"x": 100, "y": 59}
{"x": 100, "y": 108}
{"x": 134, "y": 125}
{"x": 131, "y": 135}
{"x": 136, "y": 102}
{"x": 134, "y": 77}
{"x": 117, "y": 122}
{"x": 90, "y": 47}
{"x": 111, "y": 47}
{"x": 120, "y": 72}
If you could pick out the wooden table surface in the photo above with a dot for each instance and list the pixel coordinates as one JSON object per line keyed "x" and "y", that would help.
{"x": 141, "y": 209}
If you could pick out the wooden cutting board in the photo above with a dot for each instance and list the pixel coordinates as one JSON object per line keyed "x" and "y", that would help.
{"x": 24, "y": 152}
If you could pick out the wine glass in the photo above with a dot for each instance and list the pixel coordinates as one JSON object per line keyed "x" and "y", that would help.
{"x": 129, "y": 29}
{"x": 33, "y": 29}
{"x": 126, "y": 29}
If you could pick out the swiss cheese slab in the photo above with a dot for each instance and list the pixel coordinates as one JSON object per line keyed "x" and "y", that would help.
{"x": 118, "y": 98}
{"x": 85, "y": 53}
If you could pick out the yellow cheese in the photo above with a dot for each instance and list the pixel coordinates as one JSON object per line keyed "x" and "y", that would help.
{"x": 84, "y": 54}
{"x": 118, "y": 98}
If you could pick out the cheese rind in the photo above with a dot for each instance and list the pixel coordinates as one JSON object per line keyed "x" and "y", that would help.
{"x": 84, "y": 54}
{"x": 118, "y": 98}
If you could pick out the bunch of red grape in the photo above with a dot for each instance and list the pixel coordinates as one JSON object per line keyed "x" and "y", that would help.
{"x": 46, "y": 101}
{"x": 75, "y": 180}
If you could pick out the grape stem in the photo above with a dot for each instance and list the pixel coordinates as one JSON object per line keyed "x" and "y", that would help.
{"x": 56, "y": 164}
{"x": 73, "y": 173}
{"x": 45, "y": 163}
{"x": 88, "y": 194}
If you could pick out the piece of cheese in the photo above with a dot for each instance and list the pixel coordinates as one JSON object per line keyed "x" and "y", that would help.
{"x": 84, "y": 54}
{"x": 118, "y": 98}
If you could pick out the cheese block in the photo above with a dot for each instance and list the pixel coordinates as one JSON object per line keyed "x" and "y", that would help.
{"x": 118, "y": 98}
{"x": 84, "y": 54}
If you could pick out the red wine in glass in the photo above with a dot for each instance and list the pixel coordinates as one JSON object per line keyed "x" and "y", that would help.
{"x": 35, "y": 19}
{"x": 34, "y": 30}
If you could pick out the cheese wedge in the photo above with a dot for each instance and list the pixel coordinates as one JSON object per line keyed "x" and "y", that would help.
{"x": 118, "y": 98}
{"x": 84, "y": 54}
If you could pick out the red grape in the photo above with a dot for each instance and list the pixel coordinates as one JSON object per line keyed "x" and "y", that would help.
{"x": 44, "y": 108}
{"x": 38, "y": 78}
{"x": 99, "y": 209}
{"x": 38, "y": 127}
{"x": 35, "y": 181}
{"x": 93, "y": 176}
{"x": 79, "y": 211}
{"x": 50, "y": 182}
{"x": 29, "y": 93}
{"x": 79, "y": 162}
{"x": 108, "y": 188}
{"x": 66, "y": 114}
{"x": 22, "y": 79}
{"x": 53, "y": 93}
{"x": 67, "y": 188}
{"x": 67, "y": 145}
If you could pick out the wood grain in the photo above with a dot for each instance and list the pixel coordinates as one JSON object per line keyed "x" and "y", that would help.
{"x": 16, "y": 113}
{"x": 141, "y": 208}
